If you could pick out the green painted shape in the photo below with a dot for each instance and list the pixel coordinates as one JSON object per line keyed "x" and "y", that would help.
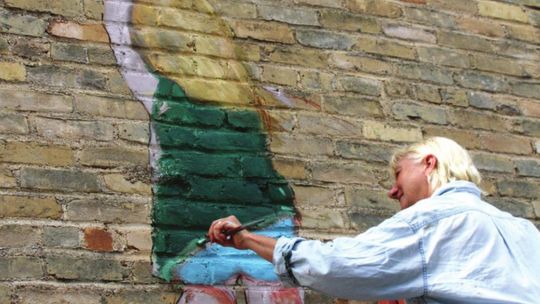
{"x": 177, "y": 164}
{"x": 244, "y": 120}
{"x": 213, "y": 162}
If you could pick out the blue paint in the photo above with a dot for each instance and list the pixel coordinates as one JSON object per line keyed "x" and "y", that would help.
{"x": 217, "y": 264}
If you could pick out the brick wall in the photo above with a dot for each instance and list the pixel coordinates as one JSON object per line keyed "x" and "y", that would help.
{"x": 335, "y": 85}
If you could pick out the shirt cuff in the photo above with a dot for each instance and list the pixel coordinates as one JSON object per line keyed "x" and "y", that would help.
{"x": 282, "y": 259}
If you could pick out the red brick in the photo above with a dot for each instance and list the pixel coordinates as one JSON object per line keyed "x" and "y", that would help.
{"x": 98, "y": 239}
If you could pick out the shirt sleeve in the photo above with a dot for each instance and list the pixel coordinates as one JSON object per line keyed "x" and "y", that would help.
{"x": 384, "y": 262}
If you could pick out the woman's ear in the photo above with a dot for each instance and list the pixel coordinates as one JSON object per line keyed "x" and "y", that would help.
{"x": 431, "y": 163}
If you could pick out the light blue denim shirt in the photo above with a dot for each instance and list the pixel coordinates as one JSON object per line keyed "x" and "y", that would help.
{"x": 450, "y": 248}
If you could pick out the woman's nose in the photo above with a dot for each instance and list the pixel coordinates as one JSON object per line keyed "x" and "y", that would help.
{"x": 392, "y": 193}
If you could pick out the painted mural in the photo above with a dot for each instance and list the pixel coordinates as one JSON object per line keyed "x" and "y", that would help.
{"x": 208, "y": 148}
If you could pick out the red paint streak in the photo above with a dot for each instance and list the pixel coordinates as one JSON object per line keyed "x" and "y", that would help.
{"x": 286, "y": 296}
{"x": 221, "y": 295}
{"x": 311, "y": 103}
{"x": 391, "y": 302}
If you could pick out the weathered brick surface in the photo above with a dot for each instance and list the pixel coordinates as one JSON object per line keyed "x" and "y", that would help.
{"x": 351, "y": 80}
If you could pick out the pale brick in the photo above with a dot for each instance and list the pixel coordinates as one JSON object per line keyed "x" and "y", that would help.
{"x": 502, "y": 11}
{"x": 71, "y": 8}
{"x": 375, "y": 7}
{"x": 108, "y": 107}
{"x": 305, "y": 146}
{"x": 358, "y": 63}
{"x": 56, "y": 295}
{"x": 519, "y": 188}
{"x": 497, "y": 64}
{"x": 455, "y": 97}
{"x": 323, "y": 219}
{"x": 118, "y": 183}
{"x": 355, "y": 173}
{"x": 20, "y": 268}
{"x": 427, "y": 92}
{"x": 139, "y": 296}
{"x": 456, "y": 5}
{"x": 424, "y": 112}
{"x": 189, "y": 21}
{"x": 66, "y": 77}
{"x": 94, "y": 9}
{"x": 280, "y": 75}
{"x": 296, "y": 56}
{"x": 135, "y": 132}
{"x": 352, "y": 105}
{"x": 114, "y": 156}
{"x": 87, "y": 32}
{"x": 10, "y": 236}
{"x": 500, "y": 104}
{"x": 429, "y": 17}
{"x": 409, "y": 33}
{"x": 308, "y": 196}
{"x": 139, "y": 238}
{"x": 505, "y": 143}
{"x": 484, "y": 27}
{"x": 382, "y": 131}
{"x": 85, "y": 269}
{"x": 324, "y": 40}
{"x": 465, "y": 138}
{"x": 24, "y": 100}
{"x": 21, "y": 24}
{"x": 424, "y": 72}
{"x": 358, "y": 198}
{"x": 108, "y": 211}
{"x": 468, "y": 119}
{"x": 385, "y": 47}
{"x": 32, "y": 153}
{"x": 303, "y": 16}
{"x": 475, "y": 80}
{"x": 266, "y": 31}
{"x": 7, "y": 179}
{"x": 5, "y": 293}
{"x": 61, "y": 237}
{"x": 329, "y": 126}
{"x": 101, "y": 55}
{"x": 363, "y": 220}
{"x": 340, "y": 20}
{"x": 29, "y": 207}
{"x": 323, "y": 3}
{"x": 440, "y": 56}
{"x": 12, "y": 71}
{"x": 60, "y": 180}
{"x": 364, "y": 86}
{"x": 537, "y": 146}
{"x": 528, "y": 167}
{"x": 281, "y": 121}
{"x": 69, "y": 52}
{"x": 367, "y": 151}
{"x": 290, "y": 168}
{"x": 492, "y": 162}
{"x": 13, "y": 123}
{"x": 400, "y": 89}
{"x": 236, "y": 9}
{"x": 466, "y": 42}
{"x": 142, "y": 272}
{"x": 74, "y": 129}
{"x": 528, "y": 127}
{"x": 536, "y": 206}
{"x": 527, "y": 89}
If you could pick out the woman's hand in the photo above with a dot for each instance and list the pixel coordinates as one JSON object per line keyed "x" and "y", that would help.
{"x": 217, "y": 233}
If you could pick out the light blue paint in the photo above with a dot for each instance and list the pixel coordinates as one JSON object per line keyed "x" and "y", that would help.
{"x": 216, "y": 264}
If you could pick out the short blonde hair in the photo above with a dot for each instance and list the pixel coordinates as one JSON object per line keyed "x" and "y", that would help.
{"x": 453, "y": 161}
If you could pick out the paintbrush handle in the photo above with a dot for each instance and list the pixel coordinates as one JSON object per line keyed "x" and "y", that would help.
{"x": 248, "y": 225}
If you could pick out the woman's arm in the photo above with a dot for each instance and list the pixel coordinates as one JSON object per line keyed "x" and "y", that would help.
{"x": 262, "y": 245}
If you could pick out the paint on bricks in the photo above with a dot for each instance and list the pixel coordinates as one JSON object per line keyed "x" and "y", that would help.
{"x": 209, "y": 156}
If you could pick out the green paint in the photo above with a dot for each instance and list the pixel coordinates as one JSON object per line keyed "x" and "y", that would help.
{"x": 214, "y": 162}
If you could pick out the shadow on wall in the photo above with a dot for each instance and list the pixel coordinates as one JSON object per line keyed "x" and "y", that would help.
{"x": 208, "y": 148}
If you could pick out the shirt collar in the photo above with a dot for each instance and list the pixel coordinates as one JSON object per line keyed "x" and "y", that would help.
{"x": 458, "y": 186}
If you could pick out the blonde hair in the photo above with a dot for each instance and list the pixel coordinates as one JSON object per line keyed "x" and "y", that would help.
{"x": 453, "y": 161}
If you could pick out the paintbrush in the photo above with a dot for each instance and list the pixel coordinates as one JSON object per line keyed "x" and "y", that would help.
{"x": 230, "y": 233}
